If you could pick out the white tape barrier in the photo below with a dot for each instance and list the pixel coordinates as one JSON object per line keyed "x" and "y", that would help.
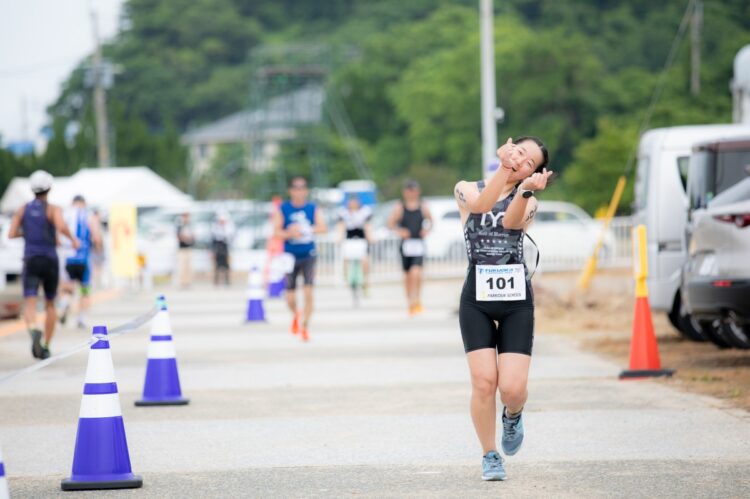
{"x": 117, "y": 331}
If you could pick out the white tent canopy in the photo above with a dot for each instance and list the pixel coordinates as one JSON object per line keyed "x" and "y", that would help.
{"x": 102, "y": 187}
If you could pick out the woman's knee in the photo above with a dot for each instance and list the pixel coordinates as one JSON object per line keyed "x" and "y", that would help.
{"x": 514, "y": 392}
{"x": 484, "y": 385}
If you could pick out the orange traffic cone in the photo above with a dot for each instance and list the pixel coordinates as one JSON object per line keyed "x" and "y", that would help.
{"x": 644, "y": 352}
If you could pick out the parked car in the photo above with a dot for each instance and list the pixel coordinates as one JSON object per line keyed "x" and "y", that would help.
{"x": 11, "y": 251}
{"x": 11, "y": 265}
{"x": 445, "y": 239}
{"x": 252, "y": 228}
{"x": 164, "y": 220}
{"x": 660, "y": 204}
{"x": 715, "y": 280}
{"x": 565, "y": 234}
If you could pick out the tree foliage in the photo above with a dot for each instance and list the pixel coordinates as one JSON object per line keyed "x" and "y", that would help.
{"x": 578, "y": 74}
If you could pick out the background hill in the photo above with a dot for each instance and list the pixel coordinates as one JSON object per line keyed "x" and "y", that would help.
{"x": 578, "y": 74}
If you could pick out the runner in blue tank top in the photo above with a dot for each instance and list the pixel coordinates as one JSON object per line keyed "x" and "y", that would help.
{"x": 496, "y": 311}
{"x": 38, "y": 223}
{"x": 296, "y": 223}
{"x": 76, "y": 262}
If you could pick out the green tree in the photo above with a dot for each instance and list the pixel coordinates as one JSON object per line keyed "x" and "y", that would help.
{"x": 597, "y": 164}
{"x": 570, "y": 72}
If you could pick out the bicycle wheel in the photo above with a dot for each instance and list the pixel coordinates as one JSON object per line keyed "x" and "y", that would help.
{"x": 356, "y": 278}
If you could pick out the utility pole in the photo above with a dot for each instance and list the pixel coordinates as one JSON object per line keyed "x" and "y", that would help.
{"x": 696, "y": 26}
{"x": 99, "y": 71}
{"x": 489, "y": 126}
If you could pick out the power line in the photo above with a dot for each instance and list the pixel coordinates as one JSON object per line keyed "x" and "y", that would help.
{"x": 661, "y": 81}
{"x": 37, "y": 67}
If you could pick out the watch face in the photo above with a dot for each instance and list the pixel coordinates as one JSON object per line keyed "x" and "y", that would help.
{"x": 528, "y": 194}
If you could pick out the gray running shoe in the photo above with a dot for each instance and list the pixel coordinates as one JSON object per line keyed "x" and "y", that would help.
{"x": 492, "y": 467}
{"x": 512, "y": 434}
{"x": 45, "y": 353}
{"x": 36, "y": 343}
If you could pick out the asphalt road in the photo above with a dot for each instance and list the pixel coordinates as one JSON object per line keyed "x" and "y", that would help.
{"x": 375, "y": 405}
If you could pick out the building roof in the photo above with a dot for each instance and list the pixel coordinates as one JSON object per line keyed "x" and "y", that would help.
{"x": 275, "y": 120}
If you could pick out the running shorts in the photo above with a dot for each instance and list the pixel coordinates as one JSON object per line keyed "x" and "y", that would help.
{"x": 506, "y": 326}
{"x": 41, "y": 270}
{"x": 79, "y": 271}
{"x": 304, "y": 266}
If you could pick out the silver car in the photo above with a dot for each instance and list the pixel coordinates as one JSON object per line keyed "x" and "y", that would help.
{"x": 716, "y": 277}
{"x": 11, "y": 265}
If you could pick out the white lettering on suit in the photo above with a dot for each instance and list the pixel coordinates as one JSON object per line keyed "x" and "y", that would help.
{"x": 494, "y": 218}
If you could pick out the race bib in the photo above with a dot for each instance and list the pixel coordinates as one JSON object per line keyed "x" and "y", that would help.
{"x": 354, "y": 249}
{"x": 500, "y": 282}
{"x": 412, "y": 247}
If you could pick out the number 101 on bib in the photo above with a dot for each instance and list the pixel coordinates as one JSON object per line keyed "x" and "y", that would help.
{"x": 500, "y": 282}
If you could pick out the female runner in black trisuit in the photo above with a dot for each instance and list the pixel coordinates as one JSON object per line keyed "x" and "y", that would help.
{"x": 496, "y": 312}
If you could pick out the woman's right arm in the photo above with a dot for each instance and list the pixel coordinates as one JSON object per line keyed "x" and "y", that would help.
{"x": 468, "y": 196}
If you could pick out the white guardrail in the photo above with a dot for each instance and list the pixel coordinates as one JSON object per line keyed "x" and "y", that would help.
{"x": 385, "y": 259}
{"x": 562, "y": 254}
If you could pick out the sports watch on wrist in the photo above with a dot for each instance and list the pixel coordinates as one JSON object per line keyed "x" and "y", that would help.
{"x": 525, "y": 193}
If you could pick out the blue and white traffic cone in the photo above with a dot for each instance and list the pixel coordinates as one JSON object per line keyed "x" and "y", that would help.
{"x": 255, "y": 293}
{"x": 276, "y": 287}
{"x": 280, "y": 266}
{"x": 162, "y": 384}
{"x": 4, "y": 494}
{"x": 101, "y": 459}
{"x": 276, "y": 278}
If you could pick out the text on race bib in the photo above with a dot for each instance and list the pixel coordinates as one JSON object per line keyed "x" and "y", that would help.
{"x": 412, "y": 247}
{"x": 354, "y": 249}
{"x": 500, "y": 282}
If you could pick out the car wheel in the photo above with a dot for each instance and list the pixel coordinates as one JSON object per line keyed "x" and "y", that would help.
{"x": 735, "y": 332}
{"x": 685, "y": 324}
{"x": 713, "y": 331}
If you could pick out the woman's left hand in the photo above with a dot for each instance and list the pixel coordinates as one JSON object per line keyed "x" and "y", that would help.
{"x": 537, "y": 181}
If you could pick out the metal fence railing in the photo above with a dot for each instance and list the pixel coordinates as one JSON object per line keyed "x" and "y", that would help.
{"x": 385, "y": 260}
{"x": 560, "y": 252}
{"x": 571, "y": 255}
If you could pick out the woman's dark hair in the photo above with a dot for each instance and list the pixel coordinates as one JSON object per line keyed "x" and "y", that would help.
{"x": 537, "y": 141}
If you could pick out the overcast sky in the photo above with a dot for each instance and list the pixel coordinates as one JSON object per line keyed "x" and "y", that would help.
{"x": 41, "y": 41}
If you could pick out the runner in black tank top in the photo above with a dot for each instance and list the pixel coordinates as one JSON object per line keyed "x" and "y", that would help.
{"x": 412, "y": 220}
{"x": 38, "y": 222}
{"x": 496, "y": 311}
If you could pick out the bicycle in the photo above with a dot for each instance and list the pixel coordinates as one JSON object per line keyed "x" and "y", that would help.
{"x": 354, "y": 251}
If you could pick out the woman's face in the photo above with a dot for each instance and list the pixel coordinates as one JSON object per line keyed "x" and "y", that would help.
{"x": 526, "y": 157}
{"x": 353, "y": 204}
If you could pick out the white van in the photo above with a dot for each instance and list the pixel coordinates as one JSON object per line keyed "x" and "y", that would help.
{"x": 661, "y": 204}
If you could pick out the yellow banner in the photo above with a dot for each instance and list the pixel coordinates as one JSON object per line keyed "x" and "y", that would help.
{"x": 122, "y": 230}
